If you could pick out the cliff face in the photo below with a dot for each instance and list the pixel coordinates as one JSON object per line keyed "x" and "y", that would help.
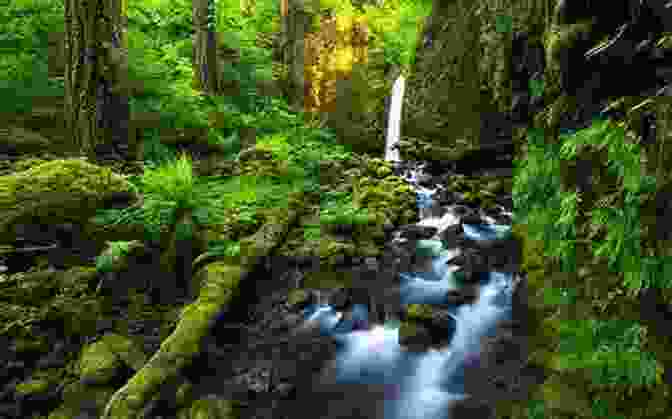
{"x": 465, "y": 53}
{"x": 491, "y": 72}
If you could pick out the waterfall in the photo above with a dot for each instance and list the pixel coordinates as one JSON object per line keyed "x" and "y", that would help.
{"x": 394, "y": 120}
{"x": 418, "y": 385}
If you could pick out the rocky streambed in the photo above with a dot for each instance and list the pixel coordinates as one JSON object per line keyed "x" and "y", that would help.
{"x": 75, "y": 335}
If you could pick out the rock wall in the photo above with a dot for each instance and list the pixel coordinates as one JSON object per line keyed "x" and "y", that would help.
{"x": 555, "y": 66}
{"x": 465, "y": 52}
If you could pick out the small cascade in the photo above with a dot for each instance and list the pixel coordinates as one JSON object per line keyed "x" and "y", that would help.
{"x": 424, "y": 383}
{"x": 394, "y": 120}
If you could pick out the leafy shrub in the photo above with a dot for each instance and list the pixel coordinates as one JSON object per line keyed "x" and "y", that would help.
{"x": 105, "y": 261}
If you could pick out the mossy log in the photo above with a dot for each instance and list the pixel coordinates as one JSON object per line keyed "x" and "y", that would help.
{"x": 219, "y": 281}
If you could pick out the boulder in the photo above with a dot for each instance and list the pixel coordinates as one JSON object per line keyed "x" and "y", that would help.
{"x": 18, "y": 140}
{"x": 467, "y": 294}
{"x": 211, "y": 407}
{"x": 59, "y": 191}
{"x": 416, "y": 232}
{"x": 452, "y": 236}
{"x": 426, "y": 326}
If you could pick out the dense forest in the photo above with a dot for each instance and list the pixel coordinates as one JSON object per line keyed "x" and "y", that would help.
{"x": 156, "y": 154}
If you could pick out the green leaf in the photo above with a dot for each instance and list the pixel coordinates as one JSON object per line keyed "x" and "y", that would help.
{"x": 503, "y": 23}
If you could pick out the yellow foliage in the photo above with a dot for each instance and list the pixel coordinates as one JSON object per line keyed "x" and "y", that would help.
{"x": 331, "y": 53}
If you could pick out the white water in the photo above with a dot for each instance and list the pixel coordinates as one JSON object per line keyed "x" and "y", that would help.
{"x": 394, "y": 120}
{"x": 427, "y": 382}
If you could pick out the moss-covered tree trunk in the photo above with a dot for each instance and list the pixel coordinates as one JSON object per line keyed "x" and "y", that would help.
{"x": 298, "y": 23}
{"x": 97, "y": 107}
{"x": 206, "y": 77}
{"x": 281, "y": 40}
{"x": 219, "y": 284}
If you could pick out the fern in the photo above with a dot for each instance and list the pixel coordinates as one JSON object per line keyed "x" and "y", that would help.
{"x": 105, "y": 261}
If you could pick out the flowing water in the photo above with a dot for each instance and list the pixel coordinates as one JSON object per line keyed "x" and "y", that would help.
{"x": 394, "y": 120}
{"x": 421, "y": 385}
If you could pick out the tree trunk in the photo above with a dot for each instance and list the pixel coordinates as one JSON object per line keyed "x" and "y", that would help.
{"x": 297, "y": 25}
{"x": 219, "y": 283}
{"x": 97, "y": 106}
{"x": 283, "y": 37}
{"x": 206, "y": 77}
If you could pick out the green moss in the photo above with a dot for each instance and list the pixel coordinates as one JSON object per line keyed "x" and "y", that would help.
{"x": 325, "y": 279}
{"x": 59, "y": 191}
{"x": 297, "y": 296}
{"x": 429, "y": 247}
{"x": 32, "y": 386}
{"x": 331, "y": 247}
{"x": 383, "y": 171}
{"x": 74, "y": 395}
{"x": 99, "y": 362}
{"x": 565, "y": 396}
{"x": 211, "y": 408}
{"x": 419, "y": 311}
{"x": 125, "y": 349}
{"x": 184, "y": 394}
{"x": 30, "y": 344}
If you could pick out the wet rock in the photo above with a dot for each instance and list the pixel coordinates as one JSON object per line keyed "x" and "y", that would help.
{"x": 506, "y": 201}
{"x": 451, "y": 236}
{"x": 493, "y": 211}
{"x": 462, "y": 211}
{"x": 465, "y": 295}
{"x": 340, "y": 299}
{"x": 429, "y": 248}
{"x": 416, "y": 232}
{"x": 426, "y": 326}
{"x": 414, "y": 337}
{"x": 55, "y": 359}
{"x": 503, "y": 219}
{"x": 472, "y": 260}
{"x": 471, "y": 408}
{"x": 471, "y": 218}
{"x": 464, "y": 275}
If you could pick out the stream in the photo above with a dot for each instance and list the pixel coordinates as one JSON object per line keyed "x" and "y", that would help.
{"x": 419, "y": 384}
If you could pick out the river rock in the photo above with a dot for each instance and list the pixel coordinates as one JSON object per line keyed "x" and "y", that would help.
{"x": 472, "y": 218}
{"x": 452, "y": 236}
{"x": 470, "y": 408}
{"x": 416, "y": 232}
{"x": 464, "y": 295}
{"x": 461, "y": 210}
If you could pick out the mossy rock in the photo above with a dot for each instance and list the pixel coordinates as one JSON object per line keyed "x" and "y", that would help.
{"x": 328, "y": 279}
{"x": 367, "y": 248}
{"x": 210, "y": 408}
{"x": 125, "y": 349}
{"x": 35, "y": 287}
{"x": 60, "y": 191}
{"x": 22, "y": 140}
{"x": 32, "y": 386}
{"x": 494, "y": 186}
{"x": 330, "y": 247}
{"x": 25, "y": 164}
{"x": 99, "y": 363}
{"x": 409, "y": 331}
{"x": 297, "y": 296}
{"x": 383, "y": 171}
{"x": 565, "y": 396}
{"x": 77, "y": 279}
{"x": 75, "y": 395}
{"x": 184, "y": 394}
{"x": 30, "y": 344}
{"x": 429, "y": 248}
{"x": 419, "y": 312}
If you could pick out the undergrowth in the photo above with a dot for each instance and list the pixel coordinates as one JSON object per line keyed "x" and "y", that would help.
{"x": 610, "y": 351}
